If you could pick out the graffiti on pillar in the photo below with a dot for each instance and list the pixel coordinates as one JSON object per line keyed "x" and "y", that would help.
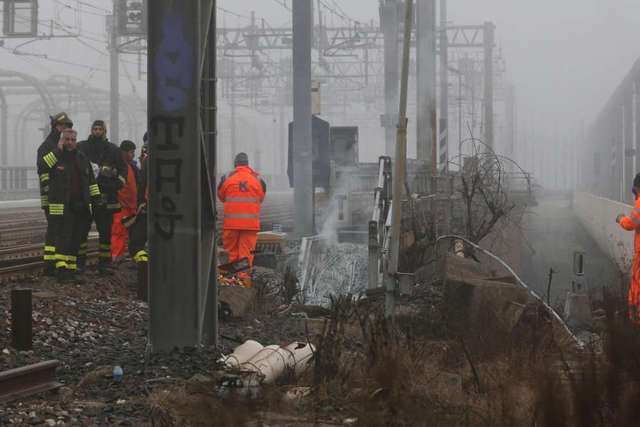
{"x": 167, "y": 132}
{"x": 173, "y": 67}
{"x": 173, "y": 64}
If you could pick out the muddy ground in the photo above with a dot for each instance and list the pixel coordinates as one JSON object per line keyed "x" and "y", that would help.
{"x": 93, "y": 327}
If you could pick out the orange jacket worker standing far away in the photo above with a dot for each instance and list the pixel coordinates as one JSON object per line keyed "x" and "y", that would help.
{"x": 242, "y": 192}
{"x": 632, "y": 223}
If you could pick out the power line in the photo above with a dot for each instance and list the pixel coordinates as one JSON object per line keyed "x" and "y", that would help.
{"x": 232, "y": 13}
{"x": 283, "y": 3}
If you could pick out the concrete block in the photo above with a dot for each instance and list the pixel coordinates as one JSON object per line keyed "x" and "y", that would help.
{"x": 577, "y": 311}
{"x": 472, "y": 302}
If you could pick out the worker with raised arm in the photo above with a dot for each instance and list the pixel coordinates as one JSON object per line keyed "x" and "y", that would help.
{"x": 242, "y": 193}
{"x": 632, "y": 223}
{"x": 49, "y": 154}
{"x": 72, "y": 189}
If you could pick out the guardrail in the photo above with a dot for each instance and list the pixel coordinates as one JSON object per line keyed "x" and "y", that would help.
{"x": 18, "y": 178}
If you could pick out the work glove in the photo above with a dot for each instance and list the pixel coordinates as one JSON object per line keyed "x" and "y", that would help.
{"x": 108, "y": 172}
{"x": 619, "y": 218}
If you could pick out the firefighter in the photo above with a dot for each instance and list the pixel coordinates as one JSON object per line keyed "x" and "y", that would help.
{"x": 49, "y": 153}
{"x": 242, "y": 192}
{"x": 632, "y": 223}
{"x": 127, "y": 196}
{"x": 111, "y": 173}
{"x": 72, "y": 189}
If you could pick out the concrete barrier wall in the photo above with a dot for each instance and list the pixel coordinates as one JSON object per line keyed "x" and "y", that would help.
{"x": 598, "y": 216}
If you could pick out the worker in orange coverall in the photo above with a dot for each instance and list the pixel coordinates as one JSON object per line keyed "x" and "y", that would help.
{"x": 242, "y": 192}
{"x": 128, "y": 199}
{"x": 632, "y": 223}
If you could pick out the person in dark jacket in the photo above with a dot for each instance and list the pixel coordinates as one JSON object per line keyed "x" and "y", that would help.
{"x": 111, "y": 173}
{"x": 48, "y": 155}
{"x": 72, "y": 188}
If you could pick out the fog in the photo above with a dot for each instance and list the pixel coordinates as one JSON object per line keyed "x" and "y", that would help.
{"x": 564, "y": 58}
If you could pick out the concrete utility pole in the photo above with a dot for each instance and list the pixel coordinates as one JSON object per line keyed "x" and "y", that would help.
{"x": 629, "y": 152}
{"x": 510, "y": 102}
{"x": 444, "y": 89}
{"x": 399, "y": 170}
{"x": 426, "y": 81}
{"x": 302, "y": 118}
{"x": 181, "y": 105}
{"x": 390, "y": 30}
{"x": 114, "y": 75}
{"x": 489, "y": 41}
{"x": 636, "y": 125}
{"x": 4, "y": 129}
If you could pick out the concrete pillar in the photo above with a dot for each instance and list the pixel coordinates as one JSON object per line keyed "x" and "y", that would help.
{"x": 489, "y": 42}
{"x": 443, "y": 140}
{"x": 389, "y": 17}
{"x": 629, "y": 153}
{"x": 114, "y": 76}
{"x": 302, "y": 118}
{"x": 426, "y": 81}
{"x": 180, "y": 229}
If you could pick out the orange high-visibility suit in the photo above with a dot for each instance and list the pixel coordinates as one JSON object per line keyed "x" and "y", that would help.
{"x": 128, "y": 198}
{"x": 242, "y": 192}
{"x": 632, "y": 223}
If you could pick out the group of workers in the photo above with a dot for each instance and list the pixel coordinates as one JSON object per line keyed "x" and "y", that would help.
{"x": 86, "y": 182}
{"x": 97, "y": 181}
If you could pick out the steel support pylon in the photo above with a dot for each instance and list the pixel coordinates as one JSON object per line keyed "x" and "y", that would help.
{"x": 181, "y": 105}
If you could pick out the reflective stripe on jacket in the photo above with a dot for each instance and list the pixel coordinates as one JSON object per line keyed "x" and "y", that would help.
{"x": 242, "y": 193}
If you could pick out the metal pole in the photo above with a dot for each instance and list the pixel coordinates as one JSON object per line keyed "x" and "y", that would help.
{"x": 4, "y": 129}
{"x": 114, "y": 75}
{"x": 209, "y": 110}
{"x": 21, "y": 319}
{"x": 302, "y": 119}
{"x": 390, "y": 29}
{"x": 444, "y": 89}
{"x": 489, "y": 41}
{"x": 234, "y": 145}
{"x": 426, "y": 81}
{"x": 399, "y": 169}
{"x": 176, "y": 227}
{"x": 636, "y": 125}
{"x": 460, "y": 113}
{"x": 510, "y": 117}
{"x": 628, "y": 148}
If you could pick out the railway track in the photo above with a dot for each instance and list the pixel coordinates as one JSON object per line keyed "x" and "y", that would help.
{"x": 22, "y": 233}
{"x": 25, "y": 261}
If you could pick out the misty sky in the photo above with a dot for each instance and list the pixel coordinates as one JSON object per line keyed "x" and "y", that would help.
{"x": 564, "y": 56}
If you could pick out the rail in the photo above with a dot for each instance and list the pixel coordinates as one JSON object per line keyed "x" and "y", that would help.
{"x": 28, "y": 380}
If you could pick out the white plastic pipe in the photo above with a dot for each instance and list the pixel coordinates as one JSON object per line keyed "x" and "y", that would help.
{"x": 243, "y": 353}
{"x": 272, "y": 361}
{"x": 302, "y": 353}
